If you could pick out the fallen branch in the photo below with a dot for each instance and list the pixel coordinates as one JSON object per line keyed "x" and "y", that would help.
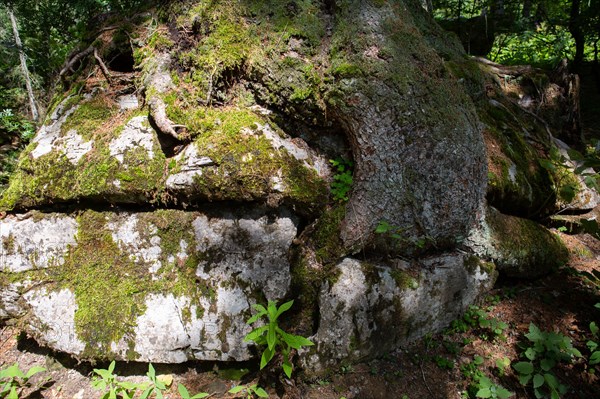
{"x": 103, "y": 67}
{"x": 75, "y": 58}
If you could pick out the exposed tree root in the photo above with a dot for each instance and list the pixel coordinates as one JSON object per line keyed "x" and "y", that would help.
{"x": 163, "y": 123}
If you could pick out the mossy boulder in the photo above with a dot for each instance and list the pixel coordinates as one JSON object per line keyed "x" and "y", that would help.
{"x": 518, "y": 247}
{"x": 164, "y": 286}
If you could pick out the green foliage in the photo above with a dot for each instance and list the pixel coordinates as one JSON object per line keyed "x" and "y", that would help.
{"x": 105, "y": 380}
{"x": 545, "y": 351}
{"x": 593, "y": 344}
{"x": 481, "y": 386}
{"x": 342, "y": 180}
{"x": 156, "y": 386}
{"x": 250, "y": 391}
{"x": 487, "y": 389}
{"x": 274, "y": 337}
{"x": 13, "y": 380}
{"x": 542, "y": 46}
{"x": 186, "y": 395}
{"x": 476, "y": 317}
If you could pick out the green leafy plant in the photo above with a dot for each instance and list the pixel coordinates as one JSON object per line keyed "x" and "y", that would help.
{"x": 342, "y": 180}
{"x": 156, "y": 386}
{"x": 184, "y": 393}
{"x": 105, "y": 380}
{"x": 13, "y": 380}
{"x": 488, "y": 389}
{"x": 545, "y": 351}
{"x": 250, "y": 391}
{"x": 274, "y": 337}
{"x": 592, "y": 344}
{"x": 476, "y": 317}
{"x": 482, "y": 386}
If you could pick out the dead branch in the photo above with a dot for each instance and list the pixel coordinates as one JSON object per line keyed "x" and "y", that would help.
{"x": 103, "y": 67}
{"x": 74, "y": 59}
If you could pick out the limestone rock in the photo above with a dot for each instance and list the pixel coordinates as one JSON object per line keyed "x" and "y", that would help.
{"x": 372, "y": 309}
{"x": 165, "y": 286}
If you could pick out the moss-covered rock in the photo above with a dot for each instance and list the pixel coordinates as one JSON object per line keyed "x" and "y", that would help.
{"x": 518, "y": 247}
{"x": 164, "y": 286}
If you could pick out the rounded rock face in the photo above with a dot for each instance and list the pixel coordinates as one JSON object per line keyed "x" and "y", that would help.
{"x": 167, "y": 214}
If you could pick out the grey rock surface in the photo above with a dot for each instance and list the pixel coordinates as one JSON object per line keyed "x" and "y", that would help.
{"x": 372, "y": 309}
{"x": 518, "y": 247}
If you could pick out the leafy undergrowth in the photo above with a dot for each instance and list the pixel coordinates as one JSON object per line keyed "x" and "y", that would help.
{"x": 525, "y": 337}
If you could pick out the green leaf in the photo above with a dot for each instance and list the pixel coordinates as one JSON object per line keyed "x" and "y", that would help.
{"x": 200, "y": 395}
{"x": 13, "y": 372}
{"x": 383, "y": 227}
{"x": 551, "y": 380}
{"x": 547, "y": 364}
{"x": 33, "y": 371}
{"x": 597, "y": 306}
{"x": 484, "y": 393}
{"x": 535, "y": 334}
{"x": 260, "y": 308}
{"x": 266, "y": 357}
{"x": 111, "y": 367}
{"x": 183, "y": 392}
{"x": 595, "y": 358}
{"x": 237, "y": 389}
{"x": 503, "y": 393}
{"x": 524, "y": 378}
{"x": 13, "y": 394}
{"x": 294, "y": 341}
{"x": 287, "y": 368}
{"x": 538, "y": 380}
{"x": 255, "y": 334}
{"x": 594, "y": 328}
{"x": 261, "y": 392}
{"x": 530, "y": 354}
{"x": 146, "y": 393}
{"x": 523, "y": 367}
{"x": 284, "y": 308}
{"x": 271, "y": 336}
{"x": 151, "y": 372}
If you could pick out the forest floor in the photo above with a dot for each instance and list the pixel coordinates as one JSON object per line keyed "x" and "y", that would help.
{"x": 446, "y": 365}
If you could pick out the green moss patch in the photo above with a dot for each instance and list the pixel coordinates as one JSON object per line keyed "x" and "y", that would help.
{"x": 110, "y": 288}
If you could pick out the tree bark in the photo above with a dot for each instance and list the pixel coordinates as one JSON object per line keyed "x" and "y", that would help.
{"x": 577, "y": 33}
{"x": 24, "y": 70}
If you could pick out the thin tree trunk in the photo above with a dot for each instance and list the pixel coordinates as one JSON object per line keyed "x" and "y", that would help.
{"x": 577, "y": 33}
{"x": 34, "y": 111}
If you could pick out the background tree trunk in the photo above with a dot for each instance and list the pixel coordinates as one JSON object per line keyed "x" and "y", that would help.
{"x": 34, "y": 111}
{"x": 577, "y": 33}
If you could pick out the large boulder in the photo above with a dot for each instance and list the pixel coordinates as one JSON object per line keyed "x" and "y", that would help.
{"x": 162, "y": 199}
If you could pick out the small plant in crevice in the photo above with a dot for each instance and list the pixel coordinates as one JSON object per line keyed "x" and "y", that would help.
{"x": 273, "y": 337}
{"x": 342, "y": 179}
{"x": 105, "y": 380}
{"x": 249, "y": 391}
{"x": 13, "y": 380}
{"x": 544, "y": 352}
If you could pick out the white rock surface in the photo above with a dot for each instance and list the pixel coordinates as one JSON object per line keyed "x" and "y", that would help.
{"x": 137, "y": 133}
{"x": 28, "y": 243}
